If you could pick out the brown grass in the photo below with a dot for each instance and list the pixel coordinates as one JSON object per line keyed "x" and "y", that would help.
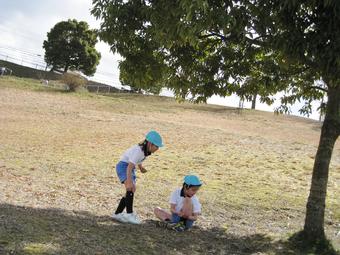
{"x": 58, "y": 184}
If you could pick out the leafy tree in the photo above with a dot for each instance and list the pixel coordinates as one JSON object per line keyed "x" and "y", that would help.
{"x": 261, "y": 80}
{"x": 308, "y": 35}
{"x": 207, "y": 47}
{"x": 71, "y": 45}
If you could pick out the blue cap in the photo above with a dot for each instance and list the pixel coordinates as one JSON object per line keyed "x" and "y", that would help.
{"x": 154, "y": 138}
{"x": 192, "y": 180}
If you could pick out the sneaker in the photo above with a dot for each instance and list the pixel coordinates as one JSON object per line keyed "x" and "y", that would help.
{"x": 179, "y": 227}
{"x": 132, "y": 218}
{"x": 119, "y": 217}
{"x": 163, "y": 224}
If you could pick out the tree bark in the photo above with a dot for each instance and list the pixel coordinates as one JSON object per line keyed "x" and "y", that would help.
{"x": 314, "y": 221}
{"x": 253, "y": 101}
{"x": 66, "y": 69}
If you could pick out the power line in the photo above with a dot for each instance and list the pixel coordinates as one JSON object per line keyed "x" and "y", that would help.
{"x": 22, "y": 62}
{"x": 22, "y": 59}
{"x": 22, "y": 53}
{"x": 41, "y": 58}
{"x": 32, "y": 59}
{"x": 20, "y": 50}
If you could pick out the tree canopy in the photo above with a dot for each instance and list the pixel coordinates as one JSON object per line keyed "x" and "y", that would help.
{"x": 198, "y": 48}
{"x": 71, "y": 45}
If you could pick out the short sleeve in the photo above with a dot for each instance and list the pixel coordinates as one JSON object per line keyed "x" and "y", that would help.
{"x": 173, "y": 198}
{"x": 136, "y": 156}
{"x": 196, "y": 206}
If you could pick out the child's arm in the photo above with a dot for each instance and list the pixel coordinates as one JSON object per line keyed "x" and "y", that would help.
{"x": 173, "y": 208}
{"x": 193, "y": 217}
{"x": 141, "y": 168}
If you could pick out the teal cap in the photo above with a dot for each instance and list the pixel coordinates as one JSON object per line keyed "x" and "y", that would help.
{"x": 192, "y": 180}
{"x": 154, "y": 138}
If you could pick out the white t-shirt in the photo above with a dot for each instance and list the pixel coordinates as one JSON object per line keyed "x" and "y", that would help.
{"x": 135, "y": 155}
{"x": 178, "y": 200}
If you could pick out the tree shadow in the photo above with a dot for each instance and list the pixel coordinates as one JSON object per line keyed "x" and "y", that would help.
{"x": 26, "y": 230}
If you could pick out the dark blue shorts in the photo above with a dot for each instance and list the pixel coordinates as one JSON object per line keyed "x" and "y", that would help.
{"x": 121, "y": 172}
{"x": 175, "y": 218}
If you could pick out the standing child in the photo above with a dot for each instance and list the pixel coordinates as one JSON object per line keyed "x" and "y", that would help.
{"x": 126, "y": 171}
{"x": 184, "y": 206}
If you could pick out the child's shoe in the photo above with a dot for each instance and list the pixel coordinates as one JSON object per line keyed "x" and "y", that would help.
{"x": 163, "y": 224}
{"x": 178, "y": 227}
{"x": 119, "y": 217}
{"x": 132, "y": 218}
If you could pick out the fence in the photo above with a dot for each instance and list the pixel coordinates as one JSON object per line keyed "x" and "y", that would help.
{"x": 23, "y": 62}
{"x": 102, "y": 89}
{"x": 29, "y": 69}
{"x": 28, "y": 72}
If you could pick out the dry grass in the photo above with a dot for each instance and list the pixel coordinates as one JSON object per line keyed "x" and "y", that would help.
{"x": 58, "y": 184}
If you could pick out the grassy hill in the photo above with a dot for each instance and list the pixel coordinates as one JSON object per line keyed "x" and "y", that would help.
{"x": 32, "y": 73}
{"x": 58, "y": 185}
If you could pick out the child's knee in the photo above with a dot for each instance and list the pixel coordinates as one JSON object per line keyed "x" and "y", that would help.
{"x": 187, "y": 214}
{"x": 187, "y": 209}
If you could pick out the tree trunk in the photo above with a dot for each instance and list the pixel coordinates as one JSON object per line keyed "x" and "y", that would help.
{"x": 314, "y": 222}
{"x": 66, "y": 69}
{"x": 241, "y": 103}
{"x": 322, "y": 108}
{"x": 253, "y": 101}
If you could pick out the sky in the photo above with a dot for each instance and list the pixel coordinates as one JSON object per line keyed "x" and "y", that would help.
{"x": 24, "y": 26}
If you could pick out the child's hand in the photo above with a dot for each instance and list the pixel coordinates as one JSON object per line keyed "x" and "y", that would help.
{"x": 184, "y": 214}
{"x": 143, "y": 170}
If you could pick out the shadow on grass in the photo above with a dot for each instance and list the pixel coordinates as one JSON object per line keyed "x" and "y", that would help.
{"x": 321, "y": 246}
{"x": 25, "y": 230}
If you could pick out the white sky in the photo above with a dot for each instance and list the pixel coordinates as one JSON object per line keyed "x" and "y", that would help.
{"x": 24, "y": 26}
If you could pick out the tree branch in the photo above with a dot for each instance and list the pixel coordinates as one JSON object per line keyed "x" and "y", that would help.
{"x": 319, "y": 88}
{"x": 255, "y": 41}
{"x": 224, "y": 38}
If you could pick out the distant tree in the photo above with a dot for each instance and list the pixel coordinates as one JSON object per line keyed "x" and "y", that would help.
{"x": 207, "y": 47}
{"x": 71, "y": 45}
{"x": 262, "y": 81}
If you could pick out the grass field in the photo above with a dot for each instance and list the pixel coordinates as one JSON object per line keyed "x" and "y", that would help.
{"x": 58, "y": 185}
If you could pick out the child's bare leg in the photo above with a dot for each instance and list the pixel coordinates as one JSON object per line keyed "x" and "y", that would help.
{"x": 187, "y": 208}
{"x": 162, "y": 214}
